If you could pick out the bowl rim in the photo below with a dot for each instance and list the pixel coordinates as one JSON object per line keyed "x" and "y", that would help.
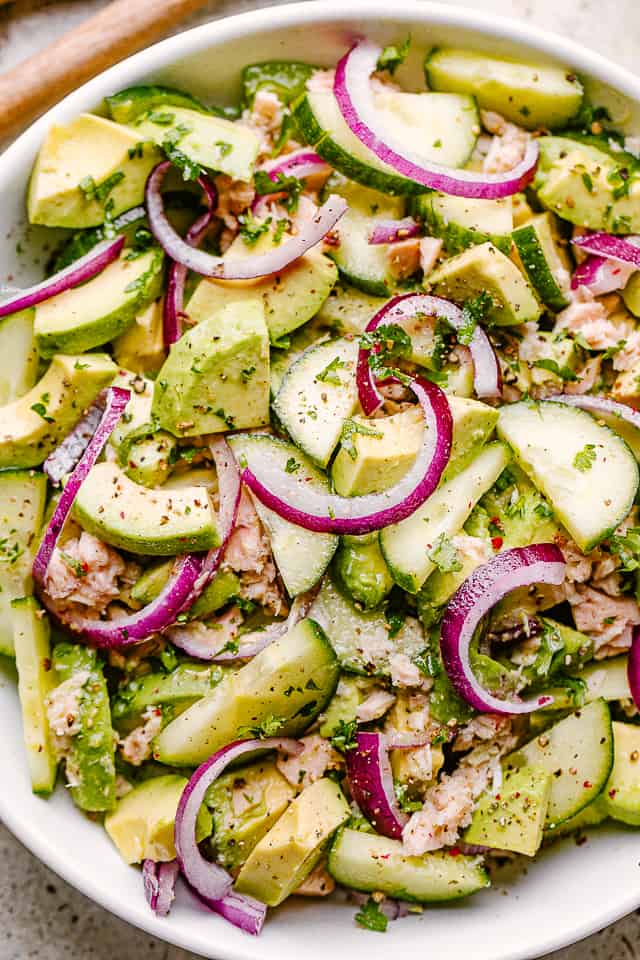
{"x": 189, "y": 42}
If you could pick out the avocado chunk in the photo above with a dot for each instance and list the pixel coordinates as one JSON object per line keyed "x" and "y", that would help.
{"x": 376, "y": 460}
{"x": 141, "y": 347}
{"x": 23, "y": 494}
{"x": 90, "y": 763}
{"x": 87, "y": 168}
{"x": 32, "y": 426}
{"x": 442, "y": 584}
{"x": 201, "y": 139}
{"x": 245, "y": 804}
{"x": 290, "y": 297}
{"x": 588, "y": 186}
{"x": 96, "y": 312}
{"x": 462, "y": 222}
{"x": 290, "y": 850}
{"x": 350, "y": 693}
{"x": 151, "y": 522}
{"x": 283, "y": 688}
{"x": 217, "y": 375}
{"x": 223, "y": 588}
{"x": 32, "y": 645}
{"x": 515, "y": 511}
{"x": 360, "y": 568}
{"x": 484, "y": 269}
{"x": 367, "y": 862}
{"x": 20, "y": 357}
{"x": 622, "y": 792}
{"x": 142, "y": 824}
{"x": 512, "y": 818}
{"x": 631, "y": 294}
{"x": 148, "y": 462}
{"x": 531, "y": 95}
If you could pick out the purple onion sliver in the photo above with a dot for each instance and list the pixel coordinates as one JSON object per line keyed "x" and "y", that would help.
{"x": 391, "y": 231}
{"x": 610, "y": 246}
{"x": 489, "y": 583}
{"x": 352, "y": 89}
{"x": 88, "y": 266}
{"x": 633, "y": 667}
{"x": 167, "y": 876}
{"x": 251, "y": 644}
{"x": 242, "y": 911}
{"x": 601, "y": 275}
{"x": 150, "y": 882}
{"x": 371, "y": 784}
{"x": 66, "y": 455}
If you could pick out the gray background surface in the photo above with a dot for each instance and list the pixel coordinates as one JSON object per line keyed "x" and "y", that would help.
{"x": 41, "y": 917}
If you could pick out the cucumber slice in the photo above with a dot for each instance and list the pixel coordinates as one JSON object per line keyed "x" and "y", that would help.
{"x": 311, "y": 405}
{"x": 445, "y": 127}
{"x": 406, "y": 545}
{"x": 285, "y": 686}
{"x": 607, "y": 679}
{"x": 590, "y": 816}
{"x": 367, "y": 862}
{"x": 531, "y": 95}
{"x": 23, "y": 495}
{"x": 622, "y": 793}
{"x": 364, "y": 265}
{"x": 588, "y": 473}
{"x": 301, "y": 556}
{"x": 462, "y": 222}
{"x": 361, "y": 639}
{"x": 128, "y": 104}
{"x": 543, "y": 261}
{"x": 578, "y": 752}
{"x": 35, "y": 683}
{"x": 19, "y": 356}
{"x": 92, "y": 752}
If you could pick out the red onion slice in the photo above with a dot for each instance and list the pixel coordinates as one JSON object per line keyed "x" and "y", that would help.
{"x": 177, "y": 274}
{"x": 63, "y": 459}
{"x": 489, "y": 583}
{"x": 76, "y": 273}
{"x": 371, "y": 784}
{"x": 633, "y": 667}
{"x": 299, "y": 163}
{"x": 250, "y": 644}
{"x": 624, "y": 249}
{"x": 210, "y": 881}
{"x": 331, "y": 513}
{"x": 352, "y": 89}
{"x": 599, "y": 406}
{"x": 601, "y": 275}
{"x": 159, "y": 880}
{"x": 260, "y": 265}
{"x": 391, "y": 231}
{"x": 116, "y": 400}
{"x": 486, "y": 369}
{"x": 242, "y": 911}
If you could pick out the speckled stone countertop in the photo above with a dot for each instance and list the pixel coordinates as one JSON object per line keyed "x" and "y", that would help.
{"x": 43, "y": 918}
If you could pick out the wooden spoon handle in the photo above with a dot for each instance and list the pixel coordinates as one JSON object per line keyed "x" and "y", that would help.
{"x": 120, "y": 29}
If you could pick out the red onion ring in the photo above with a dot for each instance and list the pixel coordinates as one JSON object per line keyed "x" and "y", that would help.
{"x": 116, "y": 400}
{"x": 260, "y": 265}
{"x": 489, "y": 583}
{"x": 391, "y": 231}
{"x": 352, "y": 90}
{"x": 331, "y": 513}
{"x": 601, "y": 275}
{"x": 633, "y": 667}
{"x": 609, "y": 246}
{"x": 251, "y": 644}
{"x": 371, "y": 784}
{"x": 208, "y": 880}
{"x": 159, "y": 880}
{"x": 76, "y": 273}
{"x": 299, "y": 163}
{"x": 486, "y": 369}
{"x": 242, "y": 911}
{"x": 177, "y": 275}
{"x": 63, "y": 459}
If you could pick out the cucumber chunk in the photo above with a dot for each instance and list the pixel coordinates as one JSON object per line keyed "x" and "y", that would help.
{"x": 607, "y": 679}
{"x": 462, "y": 222}
{"x": 23, "y": 494}
{"x": 406, "y": 545}
{"x": 367, "y": 862}
{"x": 301, "y": 556}
{"x": 543, "y": 261}
{"x": 588, "y": 473}
{"x": 285, "y": 686}
{"x": 314, "y": 401}
{"x": 590, "y": 816}
{"x": 361, "y": 639}
{"x": 443, "y": 126}
{"x": 128, "y": 104}
{"x": 35, "y": 683}
{"x": 622, "y": 793}
{"x": 90, "y": 763}
{"x": 531, "y": 95}
{"x": 19, "y": 356}
{"x": 578, "y": 753}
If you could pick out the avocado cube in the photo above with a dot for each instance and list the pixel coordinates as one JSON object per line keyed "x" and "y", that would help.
{"x": 631, "y": 294}
{"x": 141, "y": 347}
{"x": 84, "y": 165}
{"x": 216, "y": 376}
{"x": 484, "y": 269}
{"x": 622, "y": 792}
{"x": 512, "y": 818}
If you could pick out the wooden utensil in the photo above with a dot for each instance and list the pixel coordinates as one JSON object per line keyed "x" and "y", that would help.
{"x": 122, "y": 28}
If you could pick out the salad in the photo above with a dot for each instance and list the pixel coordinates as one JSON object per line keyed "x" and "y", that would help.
{"x": 319, "y": 479}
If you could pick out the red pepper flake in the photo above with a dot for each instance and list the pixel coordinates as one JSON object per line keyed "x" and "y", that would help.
{"x": 498, "y": 796}
{"x": 455, "y": 852}
{"x": 587, "y": 784}
{"x": 612, "y": 794}
{"x": 496, "y": 542}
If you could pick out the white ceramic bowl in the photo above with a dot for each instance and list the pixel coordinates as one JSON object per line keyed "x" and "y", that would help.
{"x": 569, "y": 891}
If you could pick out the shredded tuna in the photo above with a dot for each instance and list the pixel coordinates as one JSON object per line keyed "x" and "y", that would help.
{"x": 321, "y": 81}
{"x": 508, "y": 145}
{"x": 234, "y": 198}
{"x": 607, "y": 620}
{"x": 136, "y": 747}
{"x": 404, "y": 672}
{"x": 375, "y": 706}
{"x": 484, "y": 727}
{"x": 305, "y": 768}
{"x": 474, "y": 548}
{"x": 410, "y": 720}
{"x": 430, "y": 250}
{"x": 319, "y": 883}
{"x": 123, "y": 787}
{"x": 249, "y": 554}
{"x": 86, "y": 572}
{"x": 265, "y": 119}
{"x": 403, "y": 257}
{"x": 212, "y": 637}
{"x": 63, "y": 711}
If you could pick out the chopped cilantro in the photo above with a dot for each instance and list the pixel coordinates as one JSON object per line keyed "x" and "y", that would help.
{"x": 161, "y": 119}
{"x": 553, "y": 367}
{"x": 269, "y": 727}
{"x": 292, "y": 465}
{"x": 224, "y": 147}
{"x": 627, "y": 547}
{"x": 41, "y": 408}
{"x": 349, "y": 429}
{"x": 292, "y": 186}
{"x": 189, "y": 168}
{"x": 386, "y": 344}
{"x": 444, "y": 555}
{"x": 395, "y": 621}
{"x": 585, "y": 458}
{"x": 247, "y": 373}
{"x": 279, "y": 231}
{"x": 344, "y": 736}
{"x": 74, "y": 565}
{"x": 394, "y": 55}
{"x": 330, "y": 374}
{"x": 100, "y": 192}
{"x": 371, "y": 917}
{"x": 543, "y": 510}
{"x": 588, "y": 182}
{"x": 251, "y": 229}
{"x": 474, "y": 312}
{"x": 404, "y": 802}
{"x": 229, "y": 421}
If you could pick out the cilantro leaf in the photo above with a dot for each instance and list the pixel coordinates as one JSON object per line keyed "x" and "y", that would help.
{"x": 585, "y": 458}
{"x": 349, "y": 429}
{"x": 330, "y": 374}
{"x": 344, "y": 736}
{"x": 394, "y": 55}
{"x": 290, "y": 185}
{"x": 627, "y": 547}
{"x": 474, "y": 312}
{"x": 371, "y": 917}
{"x": 444, "y": 555}
{"x": 563, "y": 372}
{"x": 251, "y": 229}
